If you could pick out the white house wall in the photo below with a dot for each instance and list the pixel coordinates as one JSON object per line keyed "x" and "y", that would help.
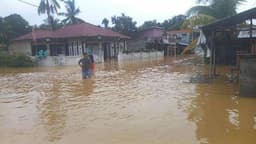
{"x": 139, "y": 56}
{"x": 24, "y": 47}
{"x": 63, "y": 60}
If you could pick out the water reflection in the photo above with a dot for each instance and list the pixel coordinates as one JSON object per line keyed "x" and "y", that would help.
{"x": 52, "y": 110}
{"x": 220, "y": 116}
{"x": 127, "y": 102}
{"x": 59, "y": 98}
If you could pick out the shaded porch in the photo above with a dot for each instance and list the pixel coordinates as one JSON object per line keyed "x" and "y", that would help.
{"x": 102, "y": 48}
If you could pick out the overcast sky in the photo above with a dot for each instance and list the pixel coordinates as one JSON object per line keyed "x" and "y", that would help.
{"x": 93, "y": 11}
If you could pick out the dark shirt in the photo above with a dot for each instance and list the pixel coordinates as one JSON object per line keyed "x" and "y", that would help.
{"x": 85, "y": 63}
{"x": 92, "y": 58}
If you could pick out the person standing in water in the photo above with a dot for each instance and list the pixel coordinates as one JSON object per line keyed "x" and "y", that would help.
{"x": 85, "y": 63}
{"x": 93, "y": 63}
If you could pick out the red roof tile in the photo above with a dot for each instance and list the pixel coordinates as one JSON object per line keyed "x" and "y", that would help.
{"x": 85, "y": 30}
{"x": 37, "y": 34}
{"x": 73, "y": 31}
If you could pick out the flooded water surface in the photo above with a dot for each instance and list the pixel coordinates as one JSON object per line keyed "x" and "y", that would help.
{"x": 135, "y": 102}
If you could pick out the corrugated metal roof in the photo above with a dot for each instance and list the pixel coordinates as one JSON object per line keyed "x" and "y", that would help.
{"x": 229, "y": 21}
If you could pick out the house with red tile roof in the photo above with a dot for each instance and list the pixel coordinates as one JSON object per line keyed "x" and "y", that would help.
{"x": 66, "y": 45}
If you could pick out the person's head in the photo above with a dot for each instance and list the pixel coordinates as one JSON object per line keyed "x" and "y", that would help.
{"x": 85, "y": 55}
{"x": 88, "y": 51}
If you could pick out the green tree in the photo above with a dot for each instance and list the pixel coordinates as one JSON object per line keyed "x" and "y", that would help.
{"x": 149, "y": 24}
{"x": 56, "y": 24}
{"x": 11, "y": 27}
{"x": 216, "y": 8}
{"x": 48, "y": 7}
{"x": 124, "y": 24}
{"x": 105, "y": 22}
{"x": 196, "y": 21}
{"x": 72, "y": 12}
{"x": 174, "y": 23}
{"x": 2, "y": 30}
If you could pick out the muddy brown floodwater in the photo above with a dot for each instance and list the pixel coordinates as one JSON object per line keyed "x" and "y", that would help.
{"x": 135, "y": 102}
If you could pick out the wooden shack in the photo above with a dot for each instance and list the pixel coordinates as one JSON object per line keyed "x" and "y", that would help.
{"x": 231, "y": 40}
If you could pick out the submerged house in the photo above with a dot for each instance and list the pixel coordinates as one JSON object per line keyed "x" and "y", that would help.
{"x": 178, "y": 39}
{"x": 66, "y": 45}
{"x": 179, "y": 36}
{"x": 151, "y": 34}
{"x": 232, "y": 41}
{"x": 148, "y": 38}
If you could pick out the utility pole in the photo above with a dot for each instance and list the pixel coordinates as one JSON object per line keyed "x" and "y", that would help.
{"x": 28, "y": 3}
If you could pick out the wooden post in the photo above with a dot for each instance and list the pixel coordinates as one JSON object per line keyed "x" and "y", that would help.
{"x": 115, "y": 47}
{"x": 214, "y": 61}
{"x": 175, "y": 50}
{"x": 101, "y": 59}
{"x": 211, "y": 57}
{"x": 48, "y": 49}
{"x": 251, "y": 38}
{"x": 214, "y": 56}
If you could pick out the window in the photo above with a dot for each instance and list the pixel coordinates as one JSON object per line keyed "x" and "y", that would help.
{"x": 75, "y": 48}
{"x": 56, "y": 50}
{"x": 37, "y": 48}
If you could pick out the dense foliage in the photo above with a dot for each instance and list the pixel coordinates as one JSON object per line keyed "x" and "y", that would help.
{"x": 174, "y": 23}
{"x": 149, "y": 24}
{"x": 124, "y": 24}
{"x": 72, "y": 12}
{"x": 105, "y": 22}
{"x": 11, "y": 27}
{"x": 7, "y": 60}
{"x": 56, "y": 24}
{"x": 48, "y": 7}
{"x": 216, "y": 8}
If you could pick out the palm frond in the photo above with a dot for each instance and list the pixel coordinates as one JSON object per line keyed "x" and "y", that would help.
{"x": 201, "y": 10}
{"x": 71, "y": 13}
{"x": 197, "y": 20}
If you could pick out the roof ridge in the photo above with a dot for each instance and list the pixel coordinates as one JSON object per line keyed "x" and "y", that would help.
{"x": 75, "y": 30}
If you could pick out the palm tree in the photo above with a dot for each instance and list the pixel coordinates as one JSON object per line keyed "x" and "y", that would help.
{"x": 196, "y": 21}
{"x": 105, "y": 22}
{"x": 71, "y": 13}
{"x": 56, "y": 24}
{"x": 49, "y": 7}
{"x": 216, "y": 8}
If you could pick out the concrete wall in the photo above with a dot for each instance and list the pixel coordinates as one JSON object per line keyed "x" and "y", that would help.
{"x": 248, "y": 77}
{"x": 140, "y": 56}
{"x": 20, "y": 47}
{"x": 62, "y": 60}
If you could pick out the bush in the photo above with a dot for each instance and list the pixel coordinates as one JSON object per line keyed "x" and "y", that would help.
{"x": 7, "y": 60}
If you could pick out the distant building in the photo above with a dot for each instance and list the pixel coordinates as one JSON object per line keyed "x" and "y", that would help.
{"x": 178, "y": 40}
{"x": 146, "y": 37}
{"x": 151, "y": 34}
{"x": 66, "y": 45}
{"x": 179, "y": 36}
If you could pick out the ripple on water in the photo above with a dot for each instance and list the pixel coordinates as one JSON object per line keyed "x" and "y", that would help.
{"x": 122, "y": 103}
